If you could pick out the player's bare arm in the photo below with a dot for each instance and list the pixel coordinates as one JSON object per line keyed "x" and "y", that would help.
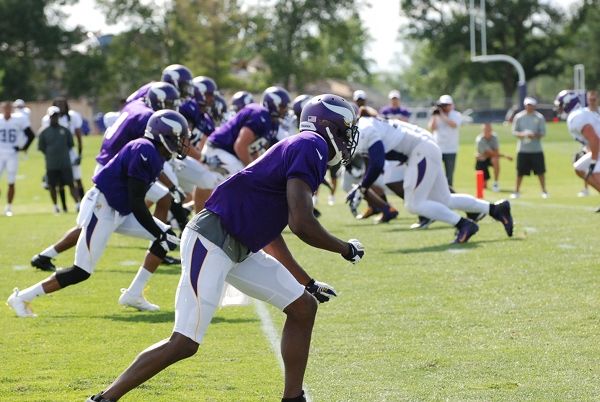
{"x": 245, "y": 138}
{"x": 279, "y": 249}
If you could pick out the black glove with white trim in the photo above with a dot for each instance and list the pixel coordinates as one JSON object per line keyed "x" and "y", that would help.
{"x": 320, "y": 290}
{"x": 591, "y": 168}
{"x": 356, "y": 251}
{"x": 177, "y": 194}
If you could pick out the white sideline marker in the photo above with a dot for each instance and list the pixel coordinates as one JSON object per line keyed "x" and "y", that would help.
{"x": 273, "y": 337}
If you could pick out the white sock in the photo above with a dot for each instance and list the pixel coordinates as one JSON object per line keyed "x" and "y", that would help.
{"x": 139, "y": 282}
{"x": 49, "y": 252}
{"x": 32, "y": 292}
{"x": 8, "y": 206}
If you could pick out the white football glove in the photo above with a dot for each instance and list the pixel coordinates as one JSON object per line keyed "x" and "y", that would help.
{"x": 356, "y": 253}
{"x": 320, "y": 290}
{"x": 354, "y": 198}
{"x": 168, "y": 240}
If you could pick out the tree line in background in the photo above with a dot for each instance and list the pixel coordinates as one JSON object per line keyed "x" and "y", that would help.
{"x": 292, "y": 43}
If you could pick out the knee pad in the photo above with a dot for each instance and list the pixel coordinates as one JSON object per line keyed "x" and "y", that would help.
{"x": 71, "y": 276}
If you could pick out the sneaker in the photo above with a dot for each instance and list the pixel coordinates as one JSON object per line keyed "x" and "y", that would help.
{"x": 583, "y": 193}
{"x": 387, "y": 216}
{"x": 42, "y": 262}
{"x": 20, "y": 306}
{"x": 515, "y": 195}
{"x": 545, "y": 195}
{"x": 98, "y": 398}
{"x": 422, "y": 224}
{"x": 476, "y": 216}
{"x": 331, "y": 200}
{"x": 495, "y": 187}
{"x": 8, "y": 211}
{"x": 368, "y": 213}
{"x": 502, "y": 214}
{"x": 168, "y": 260}
{"x": 137, "y": 302}
{"x": 465, "y": 231}
{"x": 56, "y": 209}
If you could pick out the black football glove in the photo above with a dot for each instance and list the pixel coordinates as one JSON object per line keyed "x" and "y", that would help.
{"x": 356, "y": 251}
{"x": 177, "y": 194}
{"x": 320, "y": 290}
{"x": 591, "y": 168}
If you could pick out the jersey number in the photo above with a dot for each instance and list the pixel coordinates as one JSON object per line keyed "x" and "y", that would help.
{"x": 9, "y": 135}
{"x": 110, "y": 131}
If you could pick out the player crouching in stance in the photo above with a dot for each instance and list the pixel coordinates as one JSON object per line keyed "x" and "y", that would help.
{"x": 116, "y": 204}
{"x": 223, "y": 244}
{"x": 422, "y": 182}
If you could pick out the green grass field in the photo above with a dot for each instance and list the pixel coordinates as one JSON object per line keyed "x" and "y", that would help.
{"x": 418, "y": 319}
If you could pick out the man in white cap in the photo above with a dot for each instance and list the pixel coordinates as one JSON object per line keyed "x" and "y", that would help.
{"x": 444, "y": 124}
{"x": 360, "y": 97}
{"x": 394, "y": 111}
{"x": 529, "y": 126}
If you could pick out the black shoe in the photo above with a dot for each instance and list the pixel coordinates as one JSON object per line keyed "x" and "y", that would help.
{"x": 42, "y": 262}
{"x": 422, "y": 224}
{"x": 299, "y": 398}
{"x": 502, "y": 214}
{"x": 467, "y": 229}
{"x": 476, "y": 216}
{"x": 98, "y": 398}
{"x": 168, "y": 260}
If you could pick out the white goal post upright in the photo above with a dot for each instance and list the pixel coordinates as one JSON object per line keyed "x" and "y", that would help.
{"x": 579, "y": 81}
{"x": 486, "y": 58}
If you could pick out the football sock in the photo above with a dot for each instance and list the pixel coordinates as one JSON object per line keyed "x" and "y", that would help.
{"x": 49, "y": 252}
{"x": 32, "y": 292}
{"x": 139, "y": 282}
{"x": 461, "y": 222}
{"x": 492, "y": 209}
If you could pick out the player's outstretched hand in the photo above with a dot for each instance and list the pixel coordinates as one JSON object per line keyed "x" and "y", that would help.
{"x": 320, "y": 290}
{"x": 168, "y": 240}
{"x": 177, "y": 194}
{"x": 354, "y": 198}
{"x": 356, "y": 251}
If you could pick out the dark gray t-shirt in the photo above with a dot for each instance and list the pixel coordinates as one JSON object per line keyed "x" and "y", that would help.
{"x": 55, "y": 143}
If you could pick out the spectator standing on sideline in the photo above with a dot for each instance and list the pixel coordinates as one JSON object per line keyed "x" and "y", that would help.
{"x": 394, "y": 110}
{"x": 488, "y": 154}
{"x": 56, "y": 142}
{"x": 529, "y": 126}
{"x": 444, "y": 124}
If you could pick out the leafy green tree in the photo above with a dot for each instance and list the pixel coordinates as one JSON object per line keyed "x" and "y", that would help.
{"x": 584, "y": 41}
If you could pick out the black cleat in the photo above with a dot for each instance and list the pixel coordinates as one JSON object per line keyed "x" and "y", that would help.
{"x": 476, "y": 216}
{"x": 42, "y": 262}
{"x": 467, "y": 229}
{"x": 168, "y": 260}
{"x": 423, "y": 223}
{"x": 502, "y": 214}
{"x": 98, "y": 398}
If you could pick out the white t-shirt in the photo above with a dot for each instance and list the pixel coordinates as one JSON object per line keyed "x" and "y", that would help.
{"x": 73, "y": 122}
{"x": 446, "y": 136}
{"x": 578, "y": 119}
{"x": 12, "y": 132}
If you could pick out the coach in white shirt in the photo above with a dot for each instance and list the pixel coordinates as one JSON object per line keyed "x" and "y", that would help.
{"x": 444, "y": 125}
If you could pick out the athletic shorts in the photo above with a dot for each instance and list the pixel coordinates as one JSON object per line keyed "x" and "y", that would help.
{"x": 484, "y": 166}
{"x": 59, "y": 177}
{"x": 583, "y": 164}
{"x": 205, "y": 270}
{"x": 530, "y": 162}
{"x": 10, "y": 163}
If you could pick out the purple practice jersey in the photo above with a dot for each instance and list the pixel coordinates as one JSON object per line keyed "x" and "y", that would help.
{"x": 252, "y": 204}
{"x": 201, "y": 123}
{"x": 140, "y": 93}
{"x": 394, "y": 113}
{"x": 253, "y": 116}
{"x": 138, "y": 159}
{"x": 130, "y": 125}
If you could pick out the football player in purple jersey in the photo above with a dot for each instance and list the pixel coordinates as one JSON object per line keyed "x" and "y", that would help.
{"x": 177, "y": 75}
{"x": 236, "y": 240}
{"x": 116, "y": 204}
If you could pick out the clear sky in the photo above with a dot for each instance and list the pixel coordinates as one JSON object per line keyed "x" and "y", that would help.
{"x": 382, "y": 19}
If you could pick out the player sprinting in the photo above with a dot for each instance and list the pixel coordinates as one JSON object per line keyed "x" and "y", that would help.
{"x": 116, "y": 204}
{"x": 223, "y": 244}
{"x": 422, "y": 183}
{"x": 14, "y": 127}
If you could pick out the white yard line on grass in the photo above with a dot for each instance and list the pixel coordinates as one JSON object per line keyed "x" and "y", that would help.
{"x": 273, "y": 337}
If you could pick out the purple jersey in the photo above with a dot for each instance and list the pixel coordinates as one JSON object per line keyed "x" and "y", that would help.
{"x": 252, "y": 204}
{"x": 138, "y": 159}
{"x": 201, "y": 123}
{"x": 140, "y": 93}
{"x": 253, "y": 116}
{"x": 394, "y": 112}
{"x": 130, "y": 125}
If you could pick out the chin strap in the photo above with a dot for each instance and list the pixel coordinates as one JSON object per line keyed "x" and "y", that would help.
{"x": 338, "y": 155}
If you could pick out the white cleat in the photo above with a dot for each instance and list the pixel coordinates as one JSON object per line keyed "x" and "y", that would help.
{"x": 137, "y": 302}
{"x": 545, "y": 195}
{"x": 8, "y": 211}
{"x": 515, "y": 195}
{"x": 20, "y": 306}
{"x": 331, "y": 200}
{"x": 495, "y": 187}
{"x": 583, "y": 193}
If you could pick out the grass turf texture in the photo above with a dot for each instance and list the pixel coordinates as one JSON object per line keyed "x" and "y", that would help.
{"x": 418, "y": 319}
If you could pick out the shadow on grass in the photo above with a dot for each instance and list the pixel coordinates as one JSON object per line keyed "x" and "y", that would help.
{"x": 168, "y": 316}
{"x": 450, "y": 247}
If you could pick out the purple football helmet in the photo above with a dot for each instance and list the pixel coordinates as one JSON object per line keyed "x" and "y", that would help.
{"x": 179, "y": 76}
{"x": 169, "y": 128}
{"x": 241, "y": 99}
{"x": 566, "y": 101}
{"x": 334, "y": 119}
{"x": 207, "y": 87}
{"x": 276, "y": 100}
{"x": 219, "y": 108}
{"x": 299, "y": 103}
{"x": 162, "y": 95}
